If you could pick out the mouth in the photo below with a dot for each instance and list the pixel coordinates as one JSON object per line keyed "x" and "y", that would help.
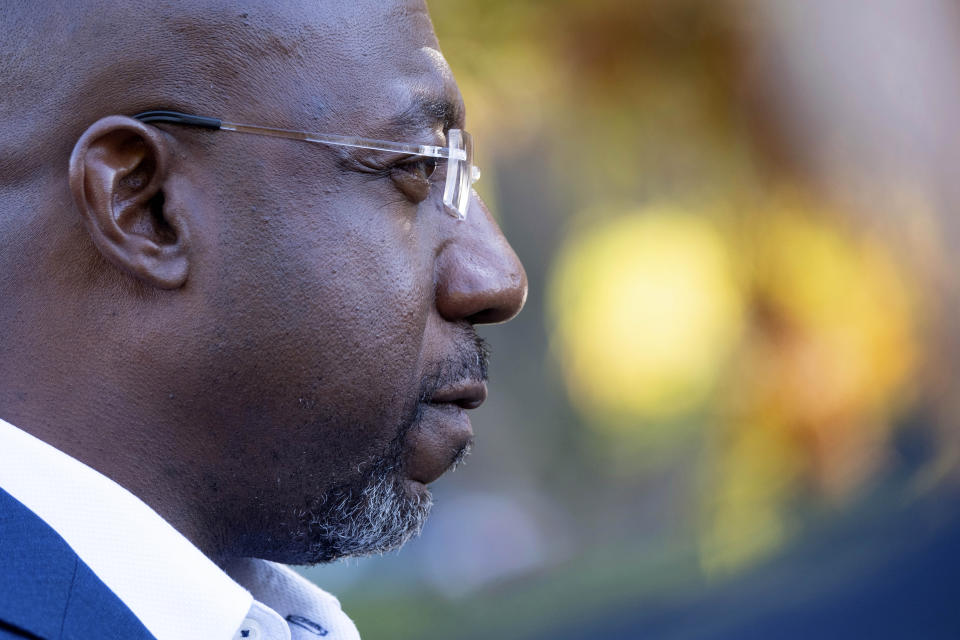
{"x": 443, "y": 433}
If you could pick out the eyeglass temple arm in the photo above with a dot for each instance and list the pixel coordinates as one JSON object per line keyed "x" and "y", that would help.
{"x": 175, "y": 117}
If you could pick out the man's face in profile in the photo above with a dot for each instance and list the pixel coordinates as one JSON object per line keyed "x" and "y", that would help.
{"x": 269, "y": 342}
{"x": 333, "y": 305}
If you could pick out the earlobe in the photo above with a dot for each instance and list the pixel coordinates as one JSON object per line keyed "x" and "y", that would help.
{"x": 119, "y": 180}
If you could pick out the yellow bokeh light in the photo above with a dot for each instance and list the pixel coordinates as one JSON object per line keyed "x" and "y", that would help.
{"x": 646, "y": 310}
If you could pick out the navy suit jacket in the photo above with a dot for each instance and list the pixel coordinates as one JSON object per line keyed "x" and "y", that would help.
{"x": 47, "y": 591}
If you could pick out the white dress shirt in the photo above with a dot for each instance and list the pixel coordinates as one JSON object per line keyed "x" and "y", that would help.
{"x": 175, "y": 590}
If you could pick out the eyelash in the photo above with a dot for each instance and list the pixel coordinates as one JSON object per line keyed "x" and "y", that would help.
{"x": 429, "y": 166}
{"x": 411, "y": 175}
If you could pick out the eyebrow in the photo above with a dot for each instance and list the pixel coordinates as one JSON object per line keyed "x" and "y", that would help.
{"x": 426, "y": 112}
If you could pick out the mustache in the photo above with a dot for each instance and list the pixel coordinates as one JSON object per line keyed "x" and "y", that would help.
{"x": 470, "y": 364}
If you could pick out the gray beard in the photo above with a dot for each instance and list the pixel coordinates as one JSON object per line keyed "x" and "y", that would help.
{"x": 380, "y": 517}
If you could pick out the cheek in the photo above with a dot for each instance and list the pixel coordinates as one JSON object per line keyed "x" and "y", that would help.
{"x": 370, "y": 315}
{"x": 371, "y": 286}
{"x": 325, "y": 329}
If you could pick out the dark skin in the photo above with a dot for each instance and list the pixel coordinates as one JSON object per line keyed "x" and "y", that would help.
{"x": 229, "y": 325}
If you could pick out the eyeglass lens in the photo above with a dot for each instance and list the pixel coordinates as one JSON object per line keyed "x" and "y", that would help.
{"x": 460, "y": 174}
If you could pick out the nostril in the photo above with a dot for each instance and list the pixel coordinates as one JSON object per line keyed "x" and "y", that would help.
{"x": 503, "y": 305}
{"x": 480, "y": 295}
{"x": 487, "y": 316}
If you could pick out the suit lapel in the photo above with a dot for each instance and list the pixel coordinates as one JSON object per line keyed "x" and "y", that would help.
{"x": 47, "y": 590}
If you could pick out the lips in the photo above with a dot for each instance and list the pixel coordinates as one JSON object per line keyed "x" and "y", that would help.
{"x": 466, "y": 395}
{"x": 443, "y": 431}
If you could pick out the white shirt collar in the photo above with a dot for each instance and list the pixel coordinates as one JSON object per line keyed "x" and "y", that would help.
{"x": 169, "y": 584}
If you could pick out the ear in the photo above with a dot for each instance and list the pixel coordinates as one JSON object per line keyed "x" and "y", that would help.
{"x": 118, "y": 176}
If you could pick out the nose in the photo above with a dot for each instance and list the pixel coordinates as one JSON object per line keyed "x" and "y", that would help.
{"x": 479, "y": 277}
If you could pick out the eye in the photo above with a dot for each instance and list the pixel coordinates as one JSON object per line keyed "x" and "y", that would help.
{"x": 412, "y": 177}
{"x": 421, "y": 167}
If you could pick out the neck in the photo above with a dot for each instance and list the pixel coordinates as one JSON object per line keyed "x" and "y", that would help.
{"x": 132, "y": 446}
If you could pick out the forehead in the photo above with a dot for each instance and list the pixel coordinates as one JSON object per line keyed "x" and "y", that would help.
{"x": 350, "y": 64}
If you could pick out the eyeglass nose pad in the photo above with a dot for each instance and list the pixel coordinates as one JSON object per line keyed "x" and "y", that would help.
{"x": 453, "y": 211}
{"x": 457, "y": 213}
{"x": 474, "y": 174}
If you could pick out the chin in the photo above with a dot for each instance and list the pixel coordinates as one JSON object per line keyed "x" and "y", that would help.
{"x": 373, "y": 518}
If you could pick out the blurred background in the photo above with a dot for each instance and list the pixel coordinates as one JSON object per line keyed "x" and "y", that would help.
{"x": 728, "y": 408}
